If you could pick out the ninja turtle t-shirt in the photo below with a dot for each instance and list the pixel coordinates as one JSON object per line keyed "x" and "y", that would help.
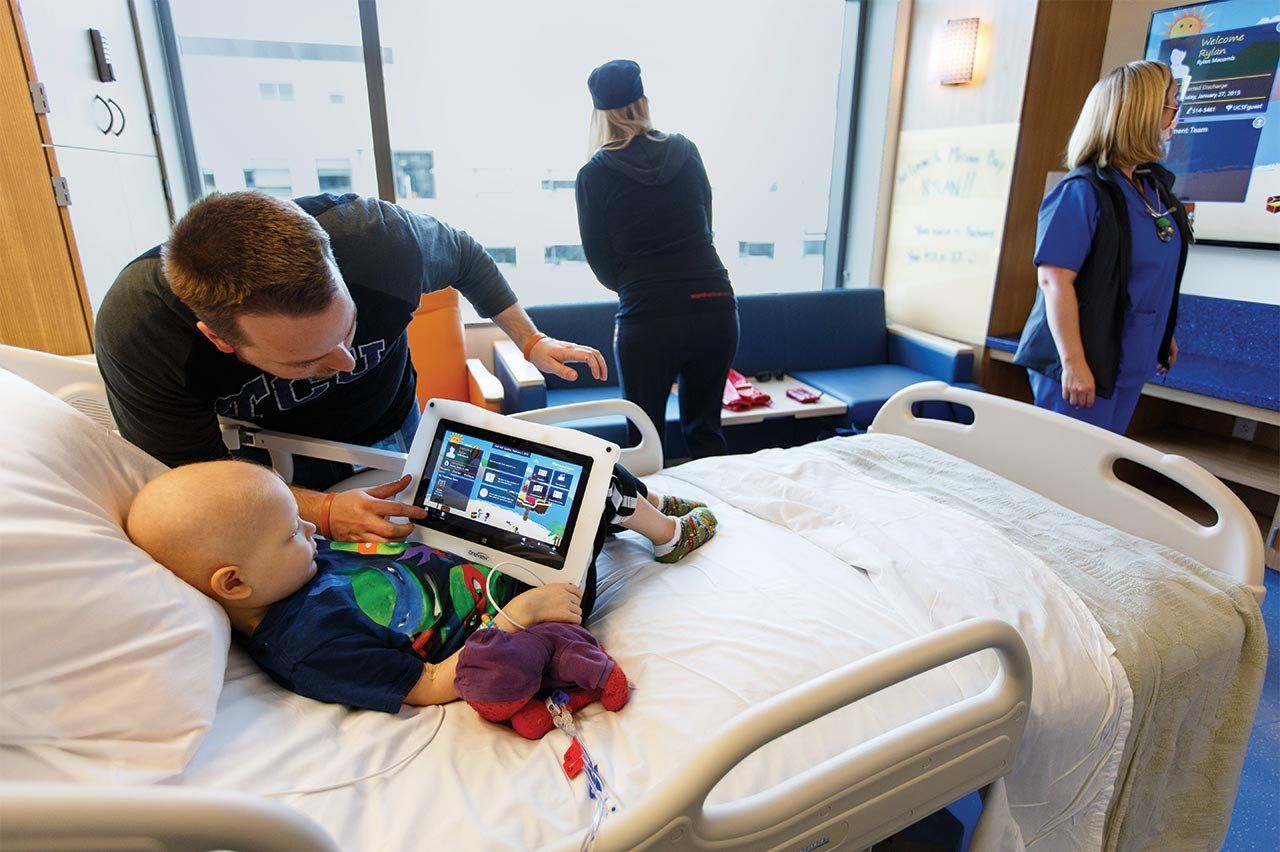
{"x": 360, "y": 630}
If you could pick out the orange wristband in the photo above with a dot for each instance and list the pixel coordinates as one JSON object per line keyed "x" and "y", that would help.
{"x": 324, "y": 514}
{"x": 532, "y": 342}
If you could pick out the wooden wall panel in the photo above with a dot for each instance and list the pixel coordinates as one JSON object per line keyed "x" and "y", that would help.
{"x": 42, "y": 299}
{"x": 1067, "y": 47}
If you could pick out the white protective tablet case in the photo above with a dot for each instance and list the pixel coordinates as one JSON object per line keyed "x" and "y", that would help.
{"x": 522, "y": 498}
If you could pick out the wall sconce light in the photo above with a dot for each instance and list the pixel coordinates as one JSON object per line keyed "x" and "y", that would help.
{"x": 958, "y": 51}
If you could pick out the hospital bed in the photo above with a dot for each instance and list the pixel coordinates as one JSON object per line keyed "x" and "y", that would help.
{"x": 839, "y": 747}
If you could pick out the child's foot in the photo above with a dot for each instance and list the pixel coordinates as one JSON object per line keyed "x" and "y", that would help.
{"x": 616, "y": 690}
{"x": 672, "y": 505}
{"x": 694, "y": 529}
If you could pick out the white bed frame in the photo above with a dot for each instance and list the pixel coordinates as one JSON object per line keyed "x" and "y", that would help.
{"x": 850, "y": 801}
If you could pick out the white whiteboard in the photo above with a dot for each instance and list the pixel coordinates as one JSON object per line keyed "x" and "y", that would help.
{"x": 950, "y": 196}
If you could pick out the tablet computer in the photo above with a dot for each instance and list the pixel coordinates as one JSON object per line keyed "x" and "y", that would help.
{"x": 522, "y": 498}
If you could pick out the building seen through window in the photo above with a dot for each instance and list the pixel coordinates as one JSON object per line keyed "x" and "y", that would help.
{"x": 270, "y": 181}
{"x": 488, "y": 128}
{"x": 564, "y": 254}
{"x": 334, "y": 176}
{"x": 502, "y": 255}
{"x": 746, "y": 249}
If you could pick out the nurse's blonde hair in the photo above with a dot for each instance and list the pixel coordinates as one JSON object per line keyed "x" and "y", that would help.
{"x": 613, "y": 129}
{"x": 1120, "y": 122}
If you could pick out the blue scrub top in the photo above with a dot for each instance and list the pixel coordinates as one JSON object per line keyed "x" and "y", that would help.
{"x": 1064, "y": 235}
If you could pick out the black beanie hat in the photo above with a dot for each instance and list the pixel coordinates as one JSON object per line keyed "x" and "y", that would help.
{"x": 615, "y": 84}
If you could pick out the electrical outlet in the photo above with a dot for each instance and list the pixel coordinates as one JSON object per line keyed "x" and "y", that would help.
{"x": 1244, "y": 429}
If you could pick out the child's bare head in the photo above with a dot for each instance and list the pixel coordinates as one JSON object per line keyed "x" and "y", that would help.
{"x": 229, "y": 529}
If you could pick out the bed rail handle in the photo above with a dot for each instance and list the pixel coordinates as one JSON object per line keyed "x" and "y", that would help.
{"x": 642, "y": 459}
{"x": 83, "y": 816}
{"x": 984, "y": 729}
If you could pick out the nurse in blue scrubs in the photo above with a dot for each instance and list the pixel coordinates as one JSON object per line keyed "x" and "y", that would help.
{"x": 1110, "y": 250}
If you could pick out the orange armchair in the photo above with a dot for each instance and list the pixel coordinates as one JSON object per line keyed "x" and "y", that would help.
{"x": 439, "y": 355}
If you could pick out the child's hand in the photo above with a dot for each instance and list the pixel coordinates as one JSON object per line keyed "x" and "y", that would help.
{"x": 559, "y": 602}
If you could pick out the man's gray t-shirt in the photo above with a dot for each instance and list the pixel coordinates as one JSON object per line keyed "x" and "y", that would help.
{"x": 167, "y": 383}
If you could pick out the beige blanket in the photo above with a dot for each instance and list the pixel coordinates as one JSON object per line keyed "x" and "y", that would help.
{"x": 1191, "y": 640}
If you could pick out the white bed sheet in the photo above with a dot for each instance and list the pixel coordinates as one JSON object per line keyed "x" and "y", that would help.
{"x": 757, "y": 611}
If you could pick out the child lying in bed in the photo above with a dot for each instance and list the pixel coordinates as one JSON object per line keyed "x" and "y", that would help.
{"x": 372, "y": 626}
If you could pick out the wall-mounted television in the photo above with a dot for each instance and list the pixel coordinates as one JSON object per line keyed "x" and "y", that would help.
{"x": 1226, "y": 146}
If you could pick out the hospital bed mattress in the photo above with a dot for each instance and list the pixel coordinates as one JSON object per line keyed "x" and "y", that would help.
{"x": 819, "y": 561}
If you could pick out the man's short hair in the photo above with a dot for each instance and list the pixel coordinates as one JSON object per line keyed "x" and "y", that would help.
{"x": 247, "y": 253}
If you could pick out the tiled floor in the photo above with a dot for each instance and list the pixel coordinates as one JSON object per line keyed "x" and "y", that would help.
{"x": 1255, "y": 824}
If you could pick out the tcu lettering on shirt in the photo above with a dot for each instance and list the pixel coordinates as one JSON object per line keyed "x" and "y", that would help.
{"x": 246, "y": 403}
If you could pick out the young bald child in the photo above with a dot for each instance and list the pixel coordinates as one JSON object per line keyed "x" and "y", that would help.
{"x": 373, "y": 626}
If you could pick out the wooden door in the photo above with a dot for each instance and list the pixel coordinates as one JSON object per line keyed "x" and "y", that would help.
{"x": 42, "y": 300}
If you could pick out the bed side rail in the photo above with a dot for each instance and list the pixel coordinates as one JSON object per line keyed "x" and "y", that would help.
{"x": 43, "y": 816}
{"x": 1073, "y": 463}
{"x": 857, "y": 798}
{"x": 642, "y": 459}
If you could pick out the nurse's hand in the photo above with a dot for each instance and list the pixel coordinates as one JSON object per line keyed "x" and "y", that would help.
{"x": 1173, "y": 358}
{"x": 554, "y": 356}
{"x": 1078, "y": 386}
{"x": 363, "y": 514}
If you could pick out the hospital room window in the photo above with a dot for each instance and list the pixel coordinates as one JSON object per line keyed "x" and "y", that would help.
{"x": 415, "y": 177}
{"x": 208, "y": 182}
{"x": 502, "y": 104}
{"x": 505, "y": 255}
{"x": 241, "y": 63}
{"x": 334, "y": 176}
{"x": 486, "y": 134}
{"x": 271, "y": 181}
{"x": 815, "y": 246}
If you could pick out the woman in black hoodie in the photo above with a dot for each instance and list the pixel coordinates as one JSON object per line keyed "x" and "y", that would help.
{"x": 644, "y": 212}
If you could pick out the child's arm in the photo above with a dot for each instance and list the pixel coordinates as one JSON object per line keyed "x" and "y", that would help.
{"x": 560, "y": 602}
{"x": 435, "y": 686}
{"x": 553, "y": 602}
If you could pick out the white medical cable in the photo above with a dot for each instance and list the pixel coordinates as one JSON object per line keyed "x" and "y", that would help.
{"x": 488, "y": 593}
{"x": 351, "y": 781}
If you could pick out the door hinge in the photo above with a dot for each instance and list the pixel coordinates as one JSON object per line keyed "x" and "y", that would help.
{"x": 39, "y": 97}
{"x": 155, "y": 124}
{"x": 61, "y": 192}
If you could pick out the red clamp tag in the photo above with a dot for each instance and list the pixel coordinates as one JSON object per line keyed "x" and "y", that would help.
{"x": 573, "y": 759}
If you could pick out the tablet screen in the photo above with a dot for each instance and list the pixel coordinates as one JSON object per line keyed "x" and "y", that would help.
{"x": 508, "y": 493}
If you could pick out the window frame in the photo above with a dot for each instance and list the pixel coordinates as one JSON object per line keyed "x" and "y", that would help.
{"x": 836, "y": 260}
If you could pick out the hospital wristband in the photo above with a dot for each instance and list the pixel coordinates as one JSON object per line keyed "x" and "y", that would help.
{"x": 532, "y": 342}
{"x": 324, "y": 514}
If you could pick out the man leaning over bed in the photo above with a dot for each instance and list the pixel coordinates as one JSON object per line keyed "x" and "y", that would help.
{"x": 292, "y": 316}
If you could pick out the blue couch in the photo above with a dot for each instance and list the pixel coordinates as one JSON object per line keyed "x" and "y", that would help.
{"x": 834, "y": 340}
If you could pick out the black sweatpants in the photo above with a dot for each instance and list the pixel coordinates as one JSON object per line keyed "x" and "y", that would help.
{"x": 696, "y": 349}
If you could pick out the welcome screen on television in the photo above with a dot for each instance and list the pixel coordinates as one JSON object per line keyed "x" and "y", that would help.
{"x": 1226, "y": 146}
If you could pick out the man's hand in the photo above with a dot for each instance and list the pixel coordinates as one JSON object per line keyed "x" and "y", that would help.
{"x": 361, "y": 513}
{"x": 559, "y": 602}
{"x": 552, "y": 356}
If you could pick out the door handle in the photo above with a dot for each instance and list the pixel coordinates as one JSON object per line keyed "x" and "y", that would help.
{"x": 110, "y": 114}
{"x": 120, "y": 109}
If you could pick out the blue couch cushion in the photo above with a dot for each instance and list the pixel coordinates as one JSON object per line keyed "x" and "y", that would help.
{"x": 585, "y": 323}
{"x": 811, "y": 330}
{"x": 613, "y": 428}
{"x": 865, "y": 389}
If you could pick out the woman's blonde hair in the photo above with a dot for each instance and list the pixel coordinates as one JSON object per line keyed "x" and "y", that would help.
{"x": 1120, "y": 122}
{"x": 613, "y": 129}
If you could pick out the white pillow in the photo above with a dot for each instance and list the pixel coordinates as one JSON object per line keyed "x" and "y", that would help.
{"x": 110, "y": 667}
